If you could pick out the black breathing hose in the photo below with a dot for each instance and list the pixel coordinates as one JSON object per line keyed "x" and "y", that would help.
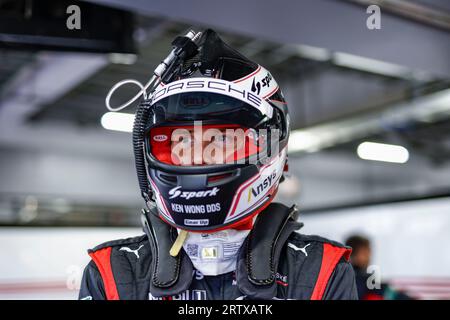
{"x": 141, "y": 118}
{"x": 184, "y": 50}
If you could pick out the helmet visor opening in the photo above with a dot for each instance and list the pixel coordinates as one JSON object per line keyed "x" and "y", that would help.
{"x": 200, "y": 145}
{"x": 203, "y": 128}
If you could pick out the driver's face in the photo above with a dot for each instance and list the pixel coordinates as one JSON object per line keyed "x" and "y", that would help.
{"x": 209, "y": 147}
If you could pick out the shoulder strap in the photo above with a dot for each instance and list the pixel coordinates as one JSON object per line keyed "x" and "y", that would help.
{"x": 102, "y": 259}
{"x": 330, "y": 258}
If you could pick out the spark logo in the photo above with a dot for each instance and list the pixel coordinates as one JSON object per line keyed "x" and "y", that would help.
{"x": 176, "y": 192}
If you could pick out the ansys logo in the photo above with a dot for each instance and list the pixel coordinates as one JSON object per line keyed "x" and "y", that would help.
{"x": 263, "y": 186}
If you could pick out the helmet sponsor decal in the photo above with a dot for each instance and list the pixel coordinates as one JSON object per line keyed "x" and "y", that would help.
{"x": 160, "y": 138}
{"x": 236, "y": 90}
{"x": 258, "y": 84}
{"x": 176, "y": 192}
{"x": 262, "y": 186}
{"x": 196, "y": 222}
{"x": 255, "y": 191}
{"x": 195, "y": 208}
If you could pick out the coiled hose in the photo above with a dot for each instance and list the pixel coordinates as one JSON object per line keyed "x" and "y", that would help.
{"x": 141, "y": 118}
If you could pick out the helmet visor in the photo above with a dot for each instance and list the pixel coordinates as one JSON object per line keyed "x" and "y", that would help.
{"x": 194, "y": 145}
{"x": 197, "y": 128}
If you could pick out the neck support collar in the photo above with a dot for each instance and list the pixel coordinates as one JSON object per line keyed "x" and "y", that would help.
{"x": 259, "y": 255}
{"x": 170, "y": 275}
{"x": 257, "y": 262}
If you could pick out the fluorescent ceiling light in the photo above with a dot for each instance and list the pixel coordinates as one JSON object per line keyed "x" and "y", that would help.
{"x": 122, "y": 58}
{"x": 302, "y": 140}
{"x": 372, "y": 65}
{"x": 118, "y": 121}
{"x": 382, "y": 152}
{"x": 313, "y": 53}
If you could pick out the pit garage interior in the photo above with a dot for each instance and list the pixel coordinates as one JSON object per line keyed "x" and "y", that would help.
{"x": 67, "y": 183}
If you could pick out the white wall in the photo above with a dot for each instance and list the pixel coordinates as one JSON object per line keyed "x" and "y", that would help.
{"x": 71, "y": 175}
{"x": 334, "y": 178}
{"x": 409, "y": 239}
{"x": 47, "y": 263}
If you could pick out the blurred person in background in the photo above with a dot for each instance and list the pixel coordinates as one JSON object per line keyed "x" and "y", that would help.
{"x": 360, "y": 260}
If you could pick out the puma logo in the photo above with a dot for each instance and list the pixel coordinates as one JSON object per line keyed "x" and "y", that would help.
{"x": 131, "y": 251}
{"x": 293, "y": 246}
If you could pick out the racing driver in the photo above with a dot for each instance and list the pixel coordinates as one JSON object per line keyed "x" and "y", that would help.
{"x": 210, "y": 145}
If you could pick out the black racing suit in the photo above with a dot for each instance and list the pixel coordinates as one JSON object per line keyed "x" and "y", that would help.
{"x": 310, "y": 267}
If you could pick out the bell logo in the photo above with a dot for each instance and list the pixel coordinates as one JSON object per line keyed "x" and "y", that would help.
{"x": 160, "y": 138}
